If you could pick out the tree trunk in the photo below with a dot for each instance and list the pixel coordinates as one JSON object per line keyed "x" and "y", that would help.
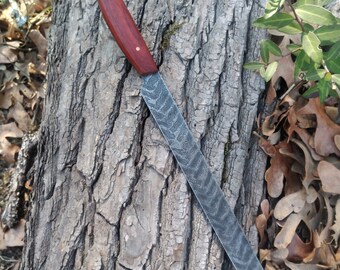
{"x": 108, "y": 193}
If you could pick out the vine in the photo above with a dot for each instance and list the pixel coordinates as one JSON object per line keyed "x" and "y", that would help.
{"x": 313, "y": 35}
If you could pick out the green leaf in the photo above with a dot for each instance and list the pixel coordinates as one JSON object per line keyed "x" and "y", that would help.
{"x": 264, "y": 51}
{"x": 310, "y": 43}
{"x": 334, "y": 51}
{"x": 332, "y": 58}
{"x": 308, "y": 27}
{"x": 315, "y": 74}
{"x": 273, "y": 48}
{"x": 311, "y": 2}
{"x": 336, "y": 78}
{"x": 310, "y": 91}
{"x": 270, "y": 71}
{"x": 324, "y": 86}
{"x": 323, "y": 2}
{"x": 315, "y": 15}
{"x": 333, "y": 65}
{"x": 267, "y": 46}
{"x": 328, "y": 34}
{"x": 253, "y": 65}
{"x": 262, "y": 71}
{"x": 276, "y": 21}
{"x": 292, "y": 28}
{"x": 304, "y": 2}
{"x": 293, "y": 48}
{"x": 302, "y": 63}
{"x": 272, "y": 7}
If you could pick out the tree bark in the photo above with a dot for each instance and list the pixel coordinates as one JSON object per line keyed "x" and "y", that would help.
{"x": 107, "y": 191}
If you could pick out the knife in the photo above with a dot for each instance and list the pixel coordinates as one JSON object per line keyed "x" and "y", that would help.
{"x": 179, "y": 137}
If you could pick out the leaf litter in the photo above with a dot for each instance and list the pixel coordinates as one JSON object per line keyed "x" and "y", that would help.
{"x": 299, "y": 222}
{"x": 24, "y": 29}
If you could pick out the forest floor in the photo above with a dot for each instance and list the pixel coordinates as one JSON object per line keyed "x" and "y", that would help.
{"x": 24, "y": 27}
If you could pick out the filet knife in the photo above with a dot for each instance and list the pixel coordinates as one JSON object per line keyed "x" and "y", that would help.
{"x": 179, "y": 137}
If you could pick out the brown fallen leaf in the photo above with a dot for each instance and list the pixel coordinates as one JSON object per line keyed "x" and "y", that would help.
{"x": 298, "y": 250}
{"x": 285, "y": 70}
{"x": 279, "y": 169}
{"x": 332, "y": 112}
{"x": 8, "y": 95}
{"x": 326, "y": 129}
{"x": 40, "y": 41}
{"x": 285, "y": 236}
{"x": 329, "y": 176}
{"x": 271, "y": 94}
{"x": 325, "y": 232}
{"x": 301, "y": 266}
{"x": 337, "y": 141}
{"x": 7, "y": 55}
{"x": 337, "y": 256}
{"x": 278, "y": 256}
{"x": 294, "y": 202}
{"x": 21, "y": 117}
{"x": 336, "y": 226}
{"x": 325, "y": 256}
{"x": 267, "y": 147}
{"x": 310, "y": 164}
{"x": 8, "y": 150}
{"x": 15, "y": 237}
{"x": 261, "y": 222}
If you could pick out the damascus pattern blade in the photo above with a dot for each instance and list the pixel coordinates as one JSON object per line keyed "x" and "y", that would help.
{"x": 194, "y": 166}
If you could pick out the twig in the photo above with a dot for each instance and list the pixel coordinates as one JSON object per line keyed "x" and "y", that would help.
{"x": 296, "y": 16}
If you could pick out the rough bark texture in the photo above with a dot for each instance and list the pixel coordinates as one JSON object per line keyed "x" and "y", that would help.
{"x": 108, "y": 193}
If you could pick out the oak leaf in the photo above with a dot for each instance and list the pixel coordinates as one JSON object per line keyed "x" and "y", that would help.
{"x": 8, "y": 150}
{"x": 336, "y": 226}
{"x": 326, "y": 129}
{"x": 329, "y": 176}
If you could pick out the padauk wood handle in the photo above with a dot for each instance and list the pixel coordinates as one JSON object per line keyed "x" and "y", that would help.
{"x": 126, "y": 34}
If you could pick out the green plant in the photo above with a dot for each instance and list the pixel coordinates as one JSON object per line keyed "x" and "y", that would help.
{"x": 314, "y": 44}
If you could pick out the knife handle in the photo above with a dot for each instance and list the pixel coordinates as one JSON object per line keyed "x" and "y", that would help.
{"x": 126, "y": 34}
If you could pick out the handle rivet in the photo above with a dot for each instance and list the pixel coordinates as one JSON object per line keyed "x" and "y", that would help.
{"x": 137, "y": 49}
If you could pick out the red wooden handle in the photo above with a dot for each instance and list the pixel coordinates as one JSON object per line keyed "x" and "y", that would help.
{"x": 125, "y": 32}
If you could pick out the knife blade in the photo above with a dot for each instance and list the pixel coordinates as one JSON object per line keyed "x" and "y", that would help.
{"x": 179, "y": 137}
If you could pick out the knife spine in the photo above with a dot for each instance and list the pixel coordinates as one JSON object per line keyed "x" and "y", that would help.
{"x": 127, "y": 35}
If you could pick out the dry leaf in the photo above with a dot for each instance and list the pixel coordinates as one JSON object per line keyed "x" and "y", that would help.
{"x": 10, "y": 93}
{"x": 332, "y": 112}
{"x": 298, "y": 250}
{"x": 267, "y": 147}
{"x": 279, "y": 169}
{"x": 261, "y": 222}
{"x": 265, "y": 255}
{"x": 337, "y": 141}
{"x": 40, "y": 41}
{"x": 326, "y": 128}
{"x": 337, "y": 255}
{"x": 285, "y": 236}
{"x": 336, "y": 226}
{"x": 325, "y": 256}
{"x": 291, "y": 203}
{"x": 324, "y": 235}
{"x": 271, "y": 122}
{"x": 301, "y": 266}
{"x": 15, "y": 237}
{"x": 7, "y": 55}
{"x": 8, "y": 150}
{"x": 329, "y": 176}
{"x": 310, "y": 164}
{"x": 21, "y": 117}
{"x": 285, "y": 70}
{"x": 278, "y": 256}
